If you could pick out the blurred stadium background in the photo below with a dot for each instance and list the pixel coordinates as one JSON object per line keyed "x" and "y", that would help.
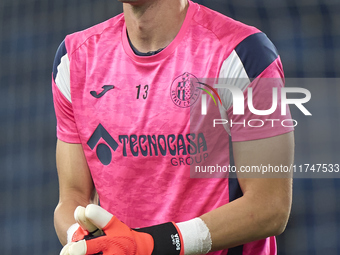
{"x": 307, "y": 35}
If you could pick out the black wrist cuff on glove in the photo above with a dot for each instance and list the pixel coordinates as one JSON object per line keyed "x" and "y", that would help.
{"x": 167, "y": 239}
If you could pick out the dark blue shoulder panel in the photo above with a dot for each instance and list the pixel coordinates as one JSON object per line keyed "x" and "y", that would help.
{"x": 60, "y": 53}
{"x": 256, "y": 52}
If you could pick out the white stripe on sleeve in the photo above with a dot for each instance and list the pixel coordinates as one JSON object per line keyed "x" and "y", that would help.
{"x": 232, "y": 73}
{"x": 63, "y": 77}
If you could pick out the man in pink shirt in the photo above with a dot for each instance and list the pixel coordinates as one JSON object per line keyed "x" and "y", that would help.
{"x": 129, "y": 125}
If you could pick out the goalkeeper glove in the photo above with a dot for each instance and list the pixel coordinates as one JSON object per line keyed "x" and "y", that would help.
{"x": 83, "y": 229}
{"x": 119, "y": 239}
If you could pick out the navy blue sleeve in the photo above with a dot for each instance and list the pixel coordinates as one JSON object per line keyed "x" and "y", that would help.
{"x": 256, "y": 52}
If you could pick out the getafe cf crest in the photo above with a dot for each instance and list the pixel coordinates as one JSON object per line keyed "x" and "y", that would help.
{"x": 184, "y": 90}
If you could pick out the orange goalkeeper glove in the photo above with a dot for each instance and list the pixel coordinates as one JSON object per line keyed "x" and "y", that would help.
{"x": 85, "y": 228}
{"x": 119, "y": 239}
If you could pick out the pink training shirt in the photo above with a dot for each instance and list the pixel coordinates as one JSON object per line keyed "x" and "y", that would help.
{"x": 139, "y": 118}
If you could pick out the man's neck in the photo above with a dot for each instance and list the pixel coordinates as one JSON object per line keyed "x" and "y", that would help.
{"x": 154, "y": 24}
